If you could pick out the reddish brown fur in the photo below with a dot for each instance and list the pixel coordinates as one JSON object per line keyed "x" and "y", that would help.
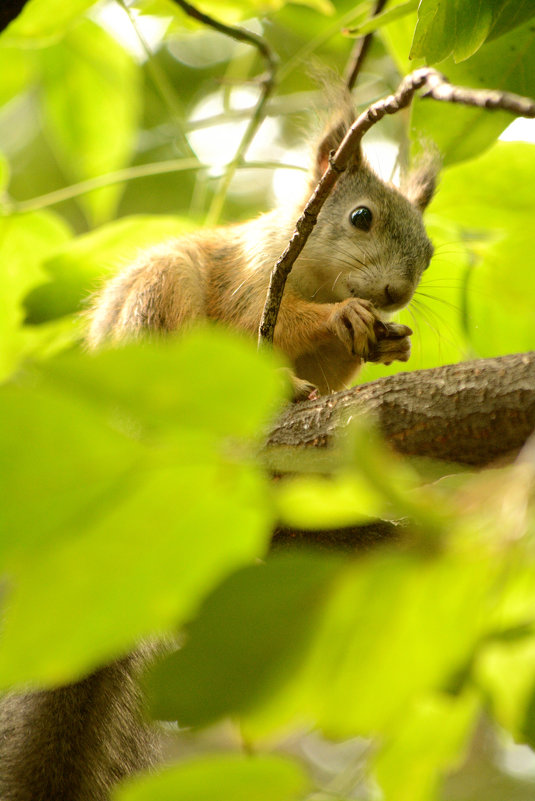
{"x": 223, "y": 275}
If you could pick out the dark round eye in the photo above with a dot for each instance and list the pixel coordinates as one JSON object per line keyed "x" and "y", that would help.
{"x": 361, "y": 217}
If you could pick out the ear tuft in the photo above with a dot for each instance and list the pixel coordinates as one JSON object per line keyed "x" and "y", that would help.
{"x": 334, "y": 131}
{"x": 421, "y": 181}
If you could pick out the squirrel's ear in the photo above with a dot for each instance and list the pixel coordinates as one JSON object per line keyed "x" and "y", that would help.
{"x": 331, "y": 140}
{"x": 421, "y": 182}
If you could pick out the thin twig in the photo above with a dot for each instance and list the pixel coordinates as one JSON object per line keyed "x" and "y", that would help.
{"x": 162, "y": 84}
{"x": 268, "y": 81}
{"x": 127, "y": 174}
{"x": 435, "y": 86}
{"x": 360, "y": 50}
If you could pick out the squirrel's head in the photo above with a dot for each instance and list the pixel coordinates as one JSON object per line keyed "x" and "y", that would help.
{"x": 369, "y": 241}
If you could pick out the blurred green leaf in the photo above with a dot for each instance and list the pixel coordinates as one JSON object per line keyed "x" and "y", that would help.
{"x": 91, "y": 103}
{"x": 77, "y": 269}
{"x": 385, "y": 18}
{"x": 460, "y": 27}
{"x": 437, "y": 727}
{"x": 4, "y": 173}
{"x": 315, "y": 502}
{"x": 141, "y": 562}
{"x": 185, "y": 383}
{"x": 241, "y": 9}
{"x": 17, "y": 68}
{"x": 225, "y": 778}
{"x": 506, "y": 672}
{"x": 25, "y": 241}
{"x": 43, "y": 20}
{"x": 395, "y": 627}
{"x": 493, "y": 218}
{"x": 126, "y": 531}
{"x": 249, "y": 636}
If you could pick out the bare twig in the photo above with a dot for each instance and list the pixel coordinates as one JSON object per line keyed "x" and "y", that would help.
{"x": 435, "y": 86}
{"x": 268, "y": 81}
{"x": 360, "y": 50}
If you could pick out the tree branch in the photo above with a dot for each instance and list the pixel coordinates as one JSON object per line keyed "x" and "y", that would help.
{"x": 360, "y": 50}
{"x": 435, "y": 86}
{"x": 268, "y": 82}
{"x": 471, "y": 413}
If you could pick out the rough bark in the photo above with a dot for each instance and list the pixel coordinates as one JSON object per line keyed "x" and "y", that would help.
{"x": 471, "y": 413}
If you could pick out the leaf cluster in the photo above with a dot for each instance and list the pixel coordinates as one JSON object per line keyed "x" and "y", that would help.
{"x": 134, "y": 499}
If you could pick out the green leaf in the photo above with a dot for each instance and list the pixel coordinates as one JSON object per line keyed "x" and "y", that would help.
{"x": 490, "y": 203}
{"x": 460, "y": 27}
{"x": 385, "y": 18}
{"x": 395, "y": 628}
{"x": 437, "y": 727}
{"x": 25, "y": 241}
{"x": 506, "y": 672}
{"x": 315, "y": 502}
{"x": 183, "y": 383}
{"x": 225, "y": 777}
{"x": 91, "y": 106}
{"x": 17, "y": 68}
{"x": 4, "y": 173}
{"x": 249, "y": 636}
{"x": 141, "y": 561}
{"x": 507, "y": 64}
{"x": 455, "y": 26}
{"x": 77, "y": 269}
{"x": 510, "y": 14}
{"x": 43, "y": 20}
{"x": 142, "y": 495}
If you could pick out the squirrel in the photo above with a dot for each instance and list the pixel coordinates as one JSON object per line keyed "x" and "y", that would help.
{"x": 364, "y": 259}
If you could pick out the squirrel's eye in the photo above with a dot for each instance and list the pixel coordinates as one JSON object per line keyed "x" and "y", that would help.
{"x": 361, "y": 217}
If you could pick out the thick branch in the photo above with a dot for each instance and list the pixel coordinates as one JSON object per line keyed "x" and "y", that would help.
{"x": 435, "y": 86}
{"x": 471, "y": 413}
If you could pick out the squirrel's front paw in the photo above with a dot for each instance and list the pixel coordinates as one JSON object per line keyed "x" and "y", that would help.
{"x": 354, "y": 323}
{"x": 393, "y": 344}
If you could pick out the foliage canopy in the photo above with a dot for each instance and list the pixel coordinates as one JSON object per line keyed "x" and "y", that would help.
{"x": 134, "y": 501}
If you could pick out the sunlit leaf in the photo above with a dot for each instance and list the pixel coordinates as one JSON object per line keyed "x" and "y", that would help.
{"x": 225, "y": 777}
{"x": 437, "y": 726}
{"x": 77, "y": 270}
{"x": 394, "y": 628}
{"x": 4, "y": 172}
{"x": 508, "y": 64}
{"x": 43, "y": 20}
{"x": 490, "y": 202}
{"x": 140, "y": 491}
{"x": 460, "y": 27}
{"x": 385, "y": 18}
{"x": 185, "y": 383}
{"x": 17, "y": 68}
{"x": 314, "y": 502}
{"x": 91, "y": 105}
{"x": 506, "y": 671}
{"x": 25, "y": 241}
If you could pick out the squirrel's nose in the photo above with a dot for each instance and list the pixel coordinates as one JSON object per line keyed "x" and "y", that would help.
{"x": 397, "y": 294}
